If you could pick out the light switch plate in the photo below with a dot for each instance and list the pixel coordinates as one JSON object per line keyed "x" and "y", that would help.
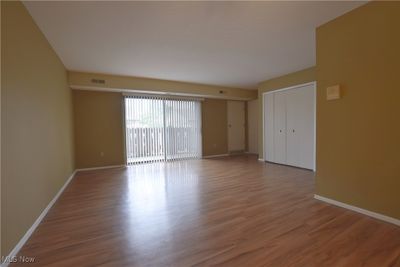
{"x": 333, "y": 92}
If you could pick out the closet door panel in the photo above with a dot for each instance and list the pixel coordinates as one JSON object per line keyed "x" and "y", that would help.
{"x": 280, "y": 127}
{"x": 300, "y": 127}
{"x": 236, "y": 126}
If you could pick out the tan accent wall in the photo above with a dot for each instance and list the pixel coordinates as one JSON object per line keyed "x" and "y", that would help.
{"x": 84, "y": 80}
{"x": 98, "y": 128}
{"x": 358, "y": 159}
{"x": 252, "y": 126}
{"x": 214, "y": 127}
{"x": 246, "y": 126}
{"x": 214, "y": 112}
{"x": 36, "y": 137}
{"x": 292, "y": 79}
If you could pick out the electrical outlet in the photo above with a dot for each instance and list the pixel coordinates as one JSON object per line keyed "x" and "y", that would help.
{"x": 101, "y": 154}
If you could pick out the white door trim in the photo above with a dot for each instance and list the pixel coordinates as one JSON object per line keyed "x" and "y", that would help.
{"x": 14, "y": 252}
{"x": 291, "y": 87}
{"x": 314, "y": 83}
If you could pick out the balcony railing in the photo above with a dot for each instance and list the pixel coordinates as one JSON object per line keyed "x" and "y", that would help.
{"x": 149, "y": 144}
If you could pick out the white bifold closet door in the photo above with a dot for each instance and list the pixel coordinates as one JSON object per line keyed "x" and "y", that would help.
{"x": 280, "y": 128}
{"x": 160, "y": 129}
{"x": 300, "y": 127}
{"x": 289, "y": 126}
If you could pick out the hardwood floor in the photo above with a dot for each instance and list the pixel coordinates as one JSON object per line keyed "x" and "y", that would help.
{"x": 232, "y": 211}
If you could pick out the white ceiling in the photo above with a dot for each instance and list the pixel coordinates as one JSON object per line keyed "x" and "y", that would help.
{"x": 236, "y": 44}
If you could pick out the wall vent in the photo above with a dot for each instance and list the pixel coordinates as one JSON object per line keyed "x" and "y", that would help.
{"x": 100, "y": 81}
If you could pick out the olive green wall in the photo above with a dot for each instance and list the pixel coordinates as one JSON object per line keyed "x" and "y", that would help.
{"x": 252, "y": 126}
{"x": 98, "y": 128}
{"x": 295, "y": 78}
{"x": 93, "y": 136}
{"x": 358, "y": 136}
{"x": 36, "y": 110}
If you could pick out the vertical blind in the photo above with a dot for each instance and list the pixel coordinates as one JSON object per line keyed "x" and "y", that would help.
{"x": 161, "y": 129}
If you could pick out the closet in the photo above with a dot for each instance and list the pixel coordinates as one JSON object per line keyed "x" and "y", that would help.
{"x": 289, "y": 126}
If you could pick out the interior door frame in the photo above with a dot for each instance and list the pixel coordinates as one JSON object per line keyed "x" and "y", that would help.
{"x": 244, "y": 126}
{"x": 314, "y": 84}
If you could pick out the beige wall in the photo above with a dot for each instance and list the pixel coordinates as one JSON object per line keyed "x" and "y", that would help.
{"x": 252, "y": 126}
{"x": 84, "y": 80}
{"x": 89, "y": 144}
{"x": 37, "y": 143}
{"x": 98, "y": 128}
{"x": 295, "y": 78}
{"x": 358, "y": 158}
{"x": 214, "y": 127}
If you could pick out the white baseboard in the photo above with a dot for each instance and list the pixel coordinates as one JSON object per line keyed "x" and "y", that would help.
{"x": 100, "y": 168}
{"x": 30, "y": 231}
{"x": 261, "y": 159}
{"x": 359, "y": 210}
{"x": 215, "y": 156}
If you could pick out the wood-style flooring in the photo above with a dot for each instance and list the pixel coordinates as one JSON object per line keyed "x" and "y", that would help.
{"x": 231, "y": 211}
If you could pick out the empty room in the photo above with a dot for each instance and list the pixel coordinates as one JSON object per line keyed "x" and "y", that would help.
{"x": 200, "y": 133}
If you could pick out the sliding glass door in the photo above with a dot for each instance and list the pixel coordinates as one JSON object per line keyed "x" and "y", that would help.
{"x": 160, "y": 129}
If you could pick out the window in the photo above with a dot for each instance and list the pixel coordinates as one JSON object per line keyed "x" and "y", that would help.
{"x": 160, "y": 129}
